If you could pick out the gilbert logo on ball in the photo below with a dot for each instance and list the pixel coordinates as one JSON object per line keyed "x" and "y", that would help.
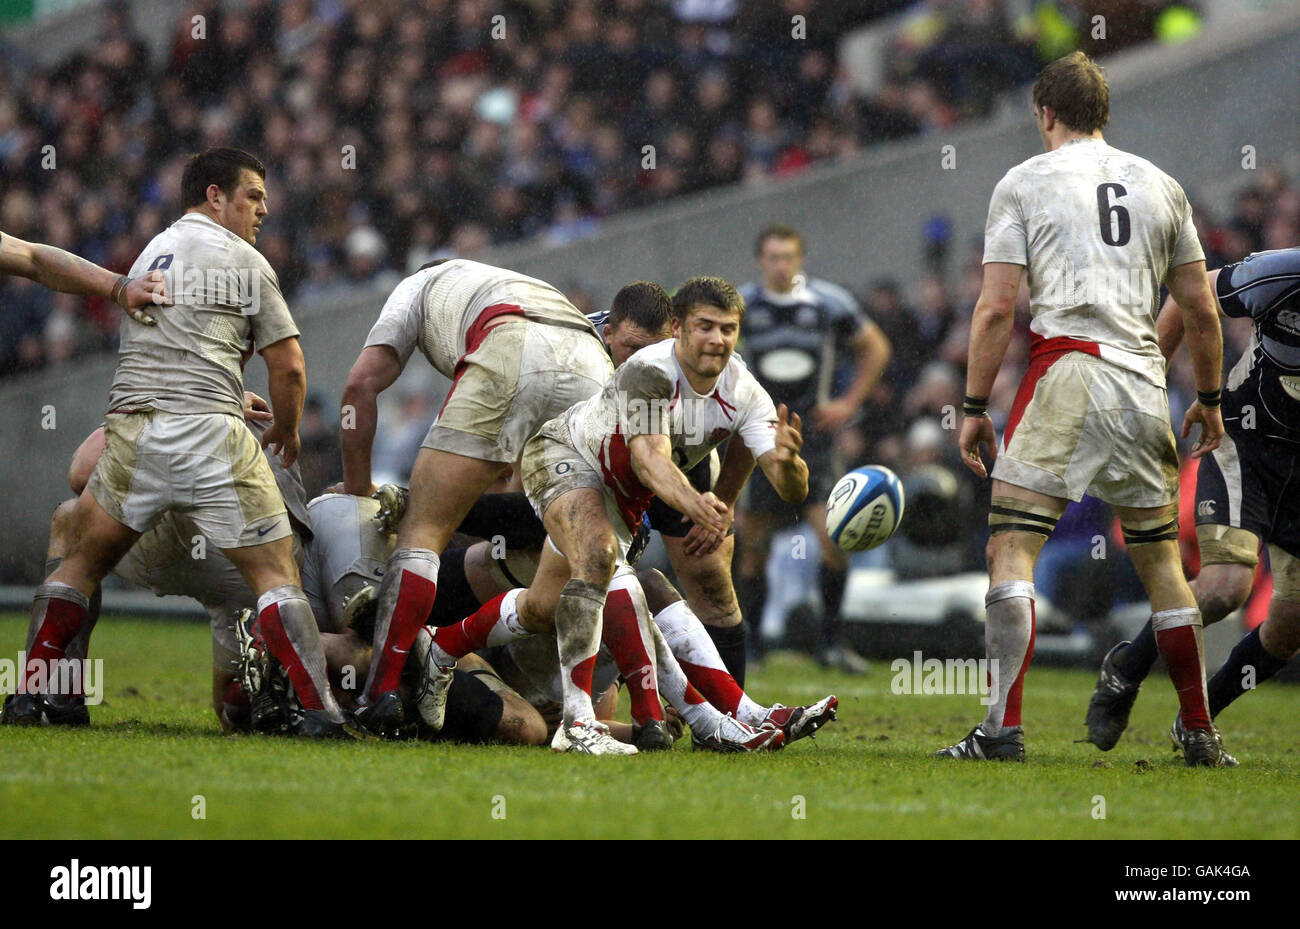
{"x": 864, "y": 508}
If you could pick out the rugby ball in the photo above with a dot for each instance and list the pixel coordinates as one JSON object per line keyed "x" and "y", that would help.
{"x": 864, "y": 508}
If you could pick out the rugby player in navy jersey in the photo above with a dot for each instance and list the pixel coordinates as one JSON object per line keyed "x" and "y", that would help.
{"x": 798, "y": 330}
{"x": 1247, "y": 493}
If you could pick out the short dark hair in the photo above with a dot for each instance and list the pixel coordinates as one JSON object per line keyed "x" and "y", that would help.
{"x": 432, "y": 264}
{"x": 1076, "y": 90}
{"x": 220, "y": 166}
{"x": 711, "y": 291}
{"x": 644, "y": 304}
{"x": 776, "y": 231}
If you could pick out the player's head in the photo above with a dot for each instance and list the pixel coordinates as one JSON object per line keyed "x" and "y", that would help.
{"x": 639, "y": 316}
{"x": 707, "y": 313}
{"x": 779, "y": 250}
{"x": 1073, "y": 93}
{"x": 229, "y": 185}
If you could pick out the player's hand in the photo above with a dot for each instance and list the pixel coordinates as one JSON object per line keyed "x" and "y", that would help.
{"x": 342, "y": 488}
{"x": 150, "y": 290}
{"x": 699, "y": 541}
{"x": 789, "y": 435}
{"x": 977, "y": 431}
{"x": 676, "y": 725}
{"x": 256, "y": 409}
{"x": 833, "y": 415}
{"x": 1211, "y": 420}
{"x": 709, "y": 514}
{"x": 282, "y": 442}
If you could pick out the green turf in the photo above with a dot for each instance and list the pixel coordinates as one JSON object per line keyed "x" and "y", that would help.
{"x": 154, "y": 747}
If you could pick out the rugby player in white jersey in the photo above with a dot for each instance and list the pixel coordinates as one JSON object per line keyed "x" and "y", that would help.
{"x": 1098, "y": 231}
{"x": 63, "y": 271}
{"x": 590, "y": 474}
{"x": 172, "y": 558}
{"x": 518, "y": 354}
{"x": 176, "y": 439}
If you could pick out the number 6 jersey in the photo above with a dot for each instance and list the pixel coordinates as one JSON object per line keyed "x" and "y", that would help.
{"x": 1098, "y": 230}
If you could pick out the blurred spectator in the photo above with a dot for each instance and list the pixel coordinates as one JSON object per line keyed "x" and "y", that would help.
{"x": 321, "y": 459}
{"x": 393, "y": 138}
{"x": 400, "y": 432}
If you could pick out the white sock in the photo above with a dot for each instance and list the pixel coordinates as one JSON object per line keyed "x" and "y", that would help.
{"x": 693, "y": 647}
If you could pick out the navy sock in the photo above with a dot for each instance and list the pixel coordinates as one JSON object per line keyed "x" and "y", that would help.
{"x": 1227, "y": 684}
{"x": 833, "y": 582}
{"x": 752, "y": 594}
{"x": 1135, "y": 660}
{"x": 730, "y": 643}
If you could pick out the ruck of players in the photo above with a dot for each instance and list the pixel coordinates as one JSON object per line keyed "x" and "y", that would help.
{"x": 499, "y": 597}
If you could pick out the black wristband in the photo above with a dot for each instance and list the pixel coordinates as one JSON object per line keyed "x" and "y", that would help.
{"x": 1210, "y": 398}
{"x": 974, "y": 406}
{"x": 119, "y": 288}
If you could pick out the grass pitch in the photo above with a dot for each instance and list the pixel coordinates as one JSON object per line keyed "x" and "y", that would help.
{"x": 154, "y": 750}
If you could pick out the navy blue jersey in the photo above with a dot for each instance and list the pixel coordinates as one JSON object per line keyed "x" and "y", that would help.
{"x": 794, "y": 342}
{"x": 1264, "y": 386}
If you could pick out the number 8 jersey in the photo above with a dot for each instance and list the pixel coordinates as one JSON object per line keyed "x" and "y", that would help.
{"x": 1098, "y": 230}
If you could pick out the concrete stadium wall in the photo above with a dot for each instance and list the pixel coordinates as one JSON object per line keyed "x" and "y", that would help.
{"x": 1189, "y": 108}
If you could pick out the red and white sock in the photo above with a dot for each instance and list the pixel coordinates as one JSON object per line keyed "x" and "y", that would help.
{"x": 577, "y": 631}
{"x": 699, "y": 714}
{"x": 1009, "y": 623}
{"x": 288, "y": 627}
{"x": 625, "y": 630}
{"x": 59, "y": 612}
{"x": 1178, "y": 637}
{"x": 406, "y": 598}
{"x": 694, "y": 650}
{"x": 494, "y": 623}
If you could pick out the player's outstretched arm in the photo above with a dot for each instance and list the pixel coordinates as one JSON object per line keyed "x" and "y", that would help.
{"x": 287, "y": 384}
{"x": 783, "y": 465}
{"x": 1189, "y": 286}
{"x": 990, "y": 332}
{"x": 374, "y": 371}
{"x": 65, "y": 272}
{"x": 652, "y": 460}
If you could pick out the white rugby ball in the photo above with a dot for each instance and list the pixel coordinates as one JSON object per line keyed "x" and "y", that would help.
{"x": 864, "y": 508}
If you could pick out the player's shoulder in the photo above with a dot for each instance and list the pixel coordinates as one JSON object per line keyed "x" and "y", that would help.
{"x": 652, "y": 369}
{"x": 404, "y": 295}
{"x": 833, "y": 295}
{"x": 657, "y": 355}
{"x": 751, "y": 292}
{"x": 1272, "y": 265}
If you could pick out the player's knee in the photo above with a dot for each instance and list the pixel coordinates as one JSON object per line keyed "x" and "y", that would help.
{"x": 1224, "y": 595}
{"x": 659, "y": 593}
{"x": 595, "y": 557}
{"x": 1280, "y": 633}
{"x": 61, "y": 527}
{"x": 521, "y": 725}
{"x": 718, "y": 594}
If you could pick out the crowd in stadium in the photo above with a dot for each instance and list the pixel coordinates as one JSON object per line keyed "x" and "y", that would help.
{"x": 391, "y": 138}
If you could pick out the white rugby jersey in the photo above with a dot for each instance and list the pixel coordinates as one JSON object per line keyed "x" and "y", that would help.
{"x": 226, "y": 305}
{"x": 1098, "y": 230}
{"x": 444, "y": 310}
{"x": 649, "y": 394}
